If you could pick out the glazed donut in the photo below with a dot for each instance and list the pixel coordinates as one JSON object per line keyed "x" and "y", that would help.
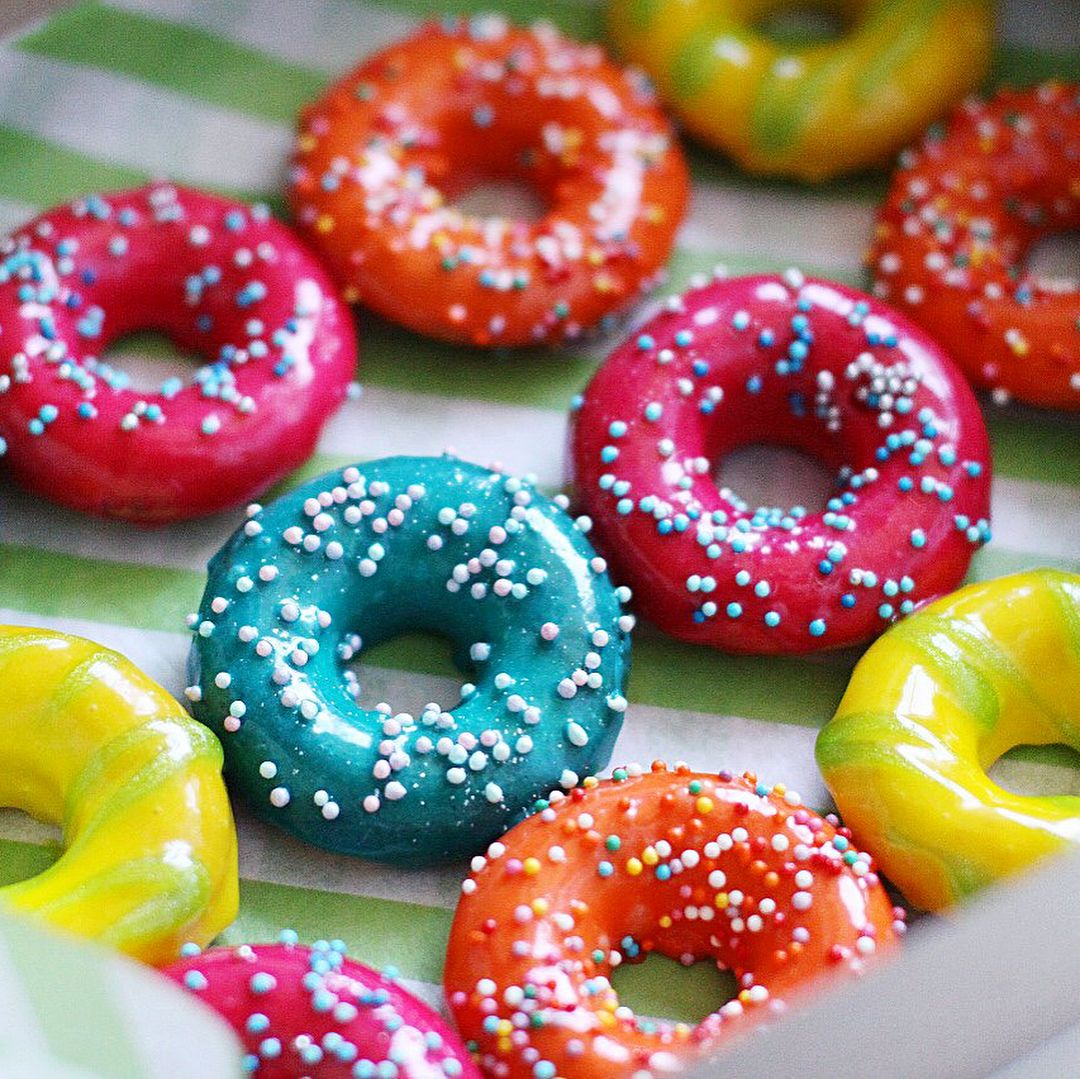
{"x": 314, "y": 1012}
{"x": 931, "y": 706}
{"x": 801, "y": 363}
{"x": 810, "y": 111}
{"x": 222, "y": 280}
{"x": 359, "y": 556}
{"x": 691, "y": 866}
{"x": 94, "y": 746}
{"x": 382, "y": 156}
{"x": 964, "y": 210}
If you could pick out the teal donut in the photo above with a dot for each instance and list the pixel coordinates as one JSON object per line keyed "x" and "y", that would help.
{"x": 358, "y": 556}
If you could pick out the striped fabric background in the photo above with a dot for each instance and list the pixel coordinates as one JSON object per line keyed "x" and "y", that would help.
{"x": 110, "y": 94}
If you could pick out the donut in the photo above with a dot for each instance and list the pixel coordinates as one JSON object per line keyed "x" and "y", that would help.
{"x": 223, "y": 281}
{"x": 964, "y": 210}
{"x": 359, "y": 556}
{"x": 688, "y": 865}
{"x": 383, "y": 155}
{"x": 931, "y": 706}
{"x": 314, "y": 1012}
{"x": 90, "y": 744}
{"x": 815, "y": 109}
{"x": 801, "y": 363}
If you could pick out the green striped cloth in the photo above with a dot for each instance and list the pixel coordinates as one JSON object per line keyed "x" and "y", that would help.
{"x": 204, "y": 92}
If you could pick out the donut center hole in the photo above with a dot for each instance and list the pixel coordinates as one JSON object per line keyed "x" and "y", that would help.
{"x": 663, "y": 988}
{"x": 1055, "y": 260}
{"x": 148, "y": 360}
{"x": 767, "y": 475}
{"x": 407, "y": 671}
{"x": 1038, "y": 771}
{"x": 501, "y": 196}
{"x": 797, "y": 25}
{"x": 27, "y": 847}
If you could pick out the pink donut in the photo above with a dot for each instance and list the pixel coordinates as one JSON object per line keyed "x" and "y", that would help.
{"x": 313, "y": 1012}
{"x": 222, "y": 280}
{"x": 801, "y": 363}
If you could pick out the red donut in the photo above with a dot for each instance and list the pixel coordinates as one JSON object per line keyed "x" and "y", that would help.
{"x": 801, "y": 363}
{"x": 313, "y": 1012}
{"x": 222, "y": 280}
{"x": 688, "y": 865}
{"x": 383, "y": 154}
{"x": 964, "y": 210}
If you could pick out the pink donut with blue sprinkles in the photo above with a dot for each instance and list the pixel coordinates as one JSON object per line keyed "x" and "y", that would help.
{"x": 807, "y": 364}
{"x": 224, "y": 281}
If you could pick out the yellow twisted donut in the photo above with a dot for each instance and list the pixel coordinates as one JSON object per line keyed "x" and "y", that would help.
{"x": 815, "y": 110}
{"x": 931, "y": 705}
{"x": 91, "y": 744}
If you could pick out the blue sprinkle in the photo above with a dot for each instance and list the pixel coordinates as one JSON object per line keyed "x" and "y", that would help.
{"x": 817, "y": 627}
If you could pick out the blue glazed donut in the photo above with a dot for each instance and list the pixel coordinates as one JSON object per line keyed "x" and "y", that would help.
{"x": 359, "y": 556}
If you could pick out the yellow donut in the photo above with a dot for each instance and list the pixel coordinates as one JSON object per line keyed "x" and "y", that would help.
{"x": 91, "y": 744}
{"x": 810, "y": 111}
{"x": 931, "y": 705}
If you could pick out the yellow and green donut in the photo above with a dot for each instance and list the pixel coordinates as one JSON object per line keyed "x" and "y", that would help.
{"x": 89, "y": 743}
{"x": 812, "y": 110}
{"x": 931, "y": 706}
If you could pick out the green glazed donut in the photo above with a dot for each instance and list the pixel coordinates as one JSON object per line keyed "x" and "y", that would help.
{"x": 359, "y": 556}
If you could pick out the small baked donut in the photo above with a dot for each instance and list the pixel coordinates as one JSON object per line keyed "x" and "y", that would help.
{"x": 691, "y": 866}
{"x": 222, "y": 280}
{"x": 90, "y": 744}
{"x": 964, "y": 210}
{"x": 359, "y": 556}
{"x": 800, "y": 363}
{"x": 382, "y": 156}
{"x": 314, "y": 1012}
{"x": 931, "y": 706}
{"x": 812, "y": 110}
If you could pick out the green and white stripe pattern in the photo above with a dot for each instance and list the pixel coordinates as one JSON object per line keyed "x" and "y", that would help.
{"x": 110, "y": 94}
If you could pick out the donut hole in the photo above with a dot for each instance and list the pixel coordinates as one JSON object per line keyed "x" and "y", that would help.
{"x": 1054, "y": 260}
{"x": 28, "y": 848}
{"x": 1038, "y": 771}
{"x": 763, "y": 474}
{"x": 148, "y": 359}
{"x": 798, "y": 25}
{"x": 663, "y": 988}
{"x": 501, "y": 196}
{"x": 407, "y": 672}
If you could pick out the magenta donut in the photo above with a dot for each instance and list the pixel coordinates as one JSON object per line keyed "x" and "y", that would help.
{"x": 796, "y": 362}
{"x": 222, "y": 280}
{"x": 315, "y": 1013}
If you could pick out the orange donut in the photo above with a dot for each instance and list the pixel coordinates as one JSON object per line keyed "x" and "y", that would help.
{"x": 382, "y": 155}
{"x": 692, "y": 866}
{"x": 964, "y": 210}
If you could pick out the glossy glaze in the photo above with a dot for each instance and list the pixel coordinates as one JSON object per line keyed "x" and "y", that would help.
{"x": 316, "y": 1013}
{"x": 689, "y": 865}
{"x": 965, "y": 208}
{"x": 404, "y": 544}
{"x": 931, "y": 706}
{"x": 809, "y": 111}
{"x": 223, "y": 281}
{"x": 796, "y": 362}
{"x": 382, "y": 156}
{"x": 92, "y": 745}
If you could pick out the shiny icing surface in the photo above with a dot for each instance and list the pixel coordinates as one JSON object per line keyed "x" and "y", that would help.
{"x": 391, "y": 546}
{"x": 965, "y": 208}
{"x": 384, "y": 154}
{"x": 689, "y": 865}
{"x": 796, "y": 362}
{"x": 316, "y": 1013}
{"x": 222, "y": 280}
{"x": 811, "y": 110}
{"x": 931, "y": 706}
{"x": 91, "y": 744}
